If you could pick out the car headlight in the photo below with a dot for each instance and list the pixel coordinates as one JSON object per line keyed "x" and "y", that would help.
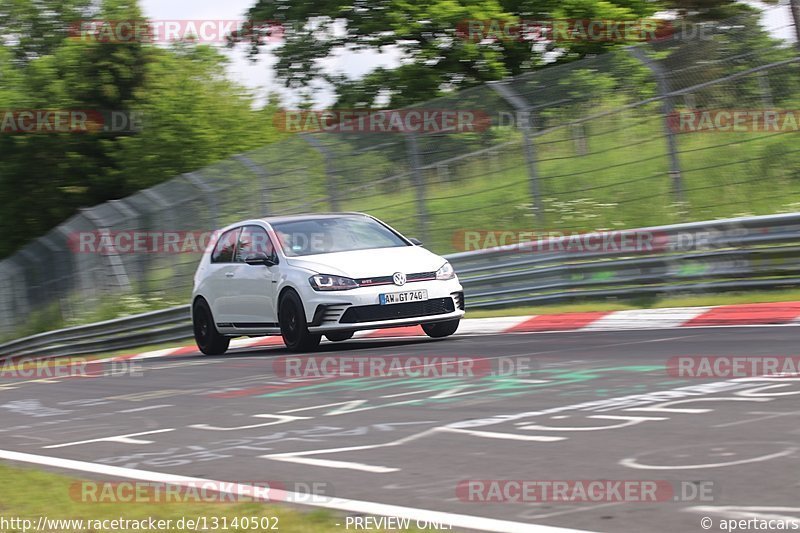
{"x": 325, "y": 282}
{"x": 446, "y": 272}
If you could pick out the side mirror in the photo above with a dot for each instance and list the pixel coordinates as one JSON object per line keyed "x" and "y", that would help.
{"x": 259, "y": 258}
{"x": 415, "y": 242}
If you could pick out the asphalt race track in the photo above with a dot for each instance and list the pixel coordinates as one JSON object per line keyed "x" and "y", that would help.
{"x": 410, "y": 441}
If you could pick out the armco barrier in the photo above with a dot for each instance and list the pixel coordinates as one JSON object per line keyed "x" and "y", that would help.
{"x": 736, "y": 254}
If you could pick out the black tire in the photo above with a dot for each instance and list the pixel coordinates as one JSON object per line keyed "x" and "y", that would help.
{"x": 441, "y": 329}
{"x": 339, "y": 336}
{"x": 294, "y": 328}
{"x": 208, "y": 339}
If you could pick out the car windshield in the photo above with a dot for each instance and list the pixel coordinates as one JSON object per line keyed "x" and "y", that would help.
{"x": 334, "y": 234}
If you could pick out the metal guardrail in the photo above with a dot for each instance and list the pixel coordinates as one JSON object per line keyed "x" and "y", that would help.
{"x": 736, "y": 254}
{"x": 118, "y": 334}
{"x": 732, "y": 254}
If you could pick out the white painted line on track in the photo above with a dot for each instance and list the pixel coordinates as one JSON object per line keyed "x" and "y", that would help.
{"x": 495, "y": 435}
{"x": 125, "y": 439}
{"x": 632, "y": 463}
{"x": 337, "y": 504}
{"x": 148, "y": 408}
{"x": 330, "y": 463}
{"x": 279, "y": 419}
{"x": 299, "y": 457}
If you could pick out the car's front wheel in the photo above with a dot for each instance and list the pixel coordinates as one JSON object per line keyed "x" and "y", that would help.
{"x": 294, "y": 329}
{"x": 441, "y": 329}
{"x": 208, "y": 339}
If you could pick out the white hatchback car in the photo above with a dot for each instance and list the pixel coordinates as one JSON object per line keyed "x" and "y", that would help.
{"x": 305, "y": 276}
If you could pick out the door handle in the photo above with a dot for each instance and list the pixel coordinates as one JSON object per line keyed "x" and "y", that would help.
{"x": 228, "y": 274}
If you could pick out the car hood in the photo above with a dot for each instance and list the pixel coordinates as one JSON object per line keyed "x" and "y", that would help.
{"x": 371, "y": 263}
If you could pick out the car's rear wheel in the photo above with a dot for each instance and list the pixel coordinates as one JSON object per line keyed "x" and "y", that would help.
{"x": 441, "y": 329}
{"x": 338, "y": 336}
{"x": 294, "y": 328}
{"x": 208, "y": 339}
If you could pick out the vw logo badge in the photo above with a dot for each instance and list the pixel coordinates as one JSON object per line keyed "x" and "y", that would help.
{"x": 399, "y": 278}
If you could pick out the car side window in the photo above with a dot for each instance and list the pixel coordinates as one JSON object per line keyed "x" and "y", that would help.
{"x": 253, "y": 240}
{"x": 225, "y": 247}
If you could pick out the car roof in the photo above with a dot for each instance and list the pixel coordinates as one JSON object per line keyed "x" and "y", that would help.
{"x": 309, "y": 216}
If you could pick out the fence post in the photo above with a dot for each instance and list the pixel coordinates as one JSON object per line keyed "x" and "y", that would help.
{"x": 794, "y": 5}
{"x": 115, "y": 263}
{"x": 8, "y": 286}
{"x": 263, "y": 174}
{"x": 330, "y": 170}
{"x": 71, "y": 270}
{"x": 524, "y": 118}
{"x": 195, "y": 179}
{"x": 20, "y": 290}
{"x": 766, "y": 90}
{"x": 412, "y": 149}
{"x": 667, "y": 107}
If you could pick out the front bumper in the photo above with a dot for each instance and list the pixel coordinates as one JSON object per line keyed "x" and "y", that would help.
{"x": 328, "y": 311}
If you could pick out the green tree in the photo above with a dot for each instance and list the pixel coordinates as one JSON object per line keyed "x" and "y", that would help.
{"x": 192, "y": 115}
{"x": 37, "y": 28}
{"x": 430, "y": 36}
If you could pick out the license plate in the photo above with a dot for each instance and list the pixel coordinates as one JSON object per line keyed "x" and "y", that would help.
{"x": 403, "y": 297}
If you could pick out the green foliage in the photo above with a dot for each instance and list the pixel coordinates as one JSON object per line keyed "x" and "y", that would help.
{"x": 436, "y": 57}
{"x": 192, "y": 115}
{"x": 39, "y": 27}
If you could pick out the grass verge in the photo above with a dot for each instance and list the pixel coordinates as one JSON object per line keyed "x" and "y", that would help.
{"x": 30, "y": 493}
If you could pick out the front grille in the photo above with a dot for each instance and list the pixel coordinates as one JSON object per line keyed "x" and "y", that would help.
{"x": 372, "y": 313}
{"x": 387, "y": 280}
